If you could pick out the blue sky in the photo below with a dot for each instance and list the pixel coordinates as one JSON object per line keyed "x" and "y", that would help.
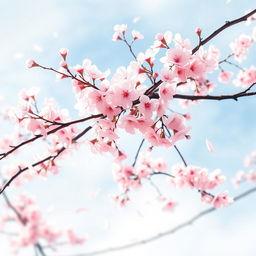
{"x": 38, "y": 29}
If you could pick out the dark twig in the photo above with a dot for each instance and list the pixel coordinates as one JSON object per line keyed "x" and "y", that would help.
{"x": 51, "y": 157}
{"x": 181, "y": 156}
{"x": 138, "y": 152}
{"x": 62, "y": 126}
{"x": 219, "y": 30}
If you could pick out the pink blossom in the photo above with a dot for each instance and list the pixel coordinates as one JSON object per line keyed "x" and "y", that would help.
{"x": 246, "y": 78}
{"x": 137, "y": 35}
{"x": 123, "y": 95}
{"x": 120, "y": 28}
{"x": 73, "y": 239}
{"x": 251, "y": 176}
{"x": 163, "y": 40}
{"x": 119, "y": 31}
{"x": 196, "y": 68}
{"x": 166, "y": 91}
{"x": 31, "y": 63}
{"x": 241, "y": 46}
{"x": 225, "y": 76}
{"x": 198, "y": 31}
{"x": 146, "y": 106}
{"x": 63, "y": 64}
{"x": 175, "y": 122}
{"x": 239, "y": 177}
{"x": 177, "y": 56}
{"x": 169, "y": 205}
{"x": 222, "y": 199}
{"x": 63, "y": 53}
{"x": 129, "y": 123}
{"x": 167, "y": 75}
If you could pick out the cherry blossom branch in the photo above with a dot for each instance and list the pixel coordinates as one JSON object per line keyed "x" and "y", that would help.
{"x": 22, "y": 220}
{"x": 51, "y": 157}
{"x": 206, "y": 40}
{"x": 235, "y": 96}
{"x": 66, "y": 75}
{"x": 219, "y": 30}
{"x": 63, "y": 125}
{"x": 187, "y": 223}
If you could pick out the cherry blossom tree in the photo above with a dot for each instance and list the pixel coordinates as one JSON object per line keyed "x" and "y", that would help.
{"x": 141, "y": 100}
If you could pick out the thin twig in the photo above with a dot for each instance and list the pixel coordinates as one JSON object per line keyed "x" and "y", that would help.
{"x": 162, "y": 234}
{"x": 181, "y": 156}
{"x": 51, "y": 157}
{"x": 138, "y": 152}
{"x": 62, "y": 126}
{"x": 219, "y": 30}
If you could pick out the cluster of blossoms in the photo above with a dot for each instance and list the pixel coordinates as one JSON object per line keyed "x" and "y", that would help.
{"x": 246, "y": 76}
{"x": 250, "y": 176}
{"x": 199, "y": 178}
{"x": 130, "y": 177}
{"x": 138, "y": 99}
{"x": 241, "y": 46}
{"x": 48, "y": 123}
{"x": 32, "y": 227}
{"x": 126, "y": 102}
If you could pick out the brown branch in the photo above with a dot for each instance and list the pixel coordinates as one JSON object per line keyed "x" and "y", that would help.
{"x": 235, "y": 96}
{"x": 206, "y": 40}
{"x": 64, "y": 125}
{"x": 165, "y": 233}
{"x": 51, "y": 157}
{"x": 225, "y": 26}
{"x": 213, "y": 97}
{"x": 181, "y": 156}
{"x": 9, "y": 204}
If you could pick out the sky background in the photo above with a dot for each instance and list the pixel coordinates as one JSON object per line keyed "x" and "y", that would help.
{"x": 37, "y": 30}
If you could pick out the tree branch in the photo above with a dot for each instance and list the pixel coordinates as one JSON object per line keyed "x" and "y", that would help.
{"x": 62, "y": 126}
{"x": 51, "y": 157}
{"x": 165, "y": 233}
{"x": 22, "y": 220}
{"x": 225, "y": 26}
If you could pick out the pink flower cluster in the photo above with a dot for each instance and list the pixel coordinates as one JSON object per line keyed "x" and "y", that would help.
{"x": 31, "y": 226}
{"x": 129, "y": 177}
{"x": 199, "y": 178}
{"x": 196, "y": 177}
{"x": 241, "y": 176}
{"x": 225, "y": 76}
{"x": 241, "y": 46}
{"x": 246, "y": 77}
{"x": 250, "y": 176}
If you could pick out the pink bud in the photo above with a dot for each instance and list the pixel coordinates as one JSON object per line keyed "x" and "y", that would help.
{"x": 63, "y": 64}
{"x": 155, "y": 75}
{"x": 198, "y": 31}
{"x": 63, "y": 53}
{"x": 31, "y": 63}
